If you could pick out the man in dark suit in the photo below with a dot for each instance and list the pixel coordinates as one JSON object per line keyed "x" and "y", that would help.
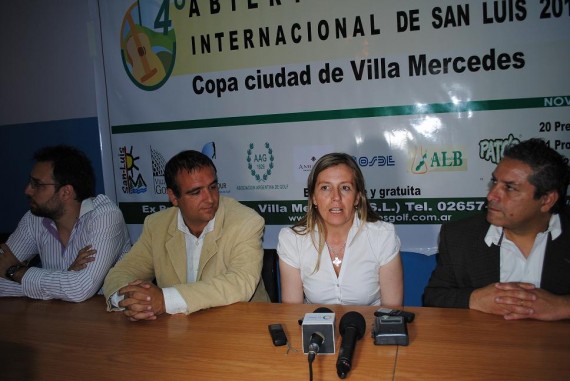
{"x": 515, "y": 261}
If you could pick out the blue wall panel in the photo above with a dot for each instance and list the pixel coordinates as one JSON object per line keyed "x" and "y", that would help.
{"x": 20, "y": 141}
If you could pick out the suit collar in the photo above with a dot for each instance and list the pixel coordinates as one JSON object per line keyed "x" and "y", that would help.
{"x": 176, "y": 243}
{"x": 181, "y": 226}
{"x": 495, "y": 234}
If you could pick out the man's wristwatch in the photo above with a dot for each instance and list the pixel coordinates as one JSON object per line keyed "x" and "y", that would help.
{"x": 12, "y": 271}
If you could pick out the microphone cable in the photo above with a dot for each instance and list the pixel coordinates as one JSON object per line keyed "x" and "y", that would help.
{"x": 317, "y": 339}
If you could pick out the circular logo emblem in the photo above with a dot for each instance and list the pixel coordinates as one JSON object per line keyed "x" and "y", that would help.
{"x": 260, "y": 164}
{"x": 148, "y": 44}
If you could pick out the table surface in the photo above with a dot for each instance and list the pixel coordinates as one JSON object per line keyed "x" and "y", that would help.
{"x": 49, "y": 340}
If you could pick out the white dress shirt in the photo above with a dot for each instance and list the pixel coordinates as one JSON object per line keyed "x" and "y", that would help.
{"x": 514, "y": 266}
{"x": 357, "y": 283}
{"x": 100, "y": 224}
{"x": 174, "y": 303}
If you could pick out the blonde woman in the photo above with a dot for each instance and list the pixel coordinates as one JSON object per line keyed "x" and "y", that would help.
{"x": 340, "y": 252}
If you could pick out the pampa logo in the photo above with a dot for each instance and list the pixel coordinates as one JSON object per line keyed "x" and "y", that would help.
{"x": 260, "y": 162}
{"x": 492, "y": 149}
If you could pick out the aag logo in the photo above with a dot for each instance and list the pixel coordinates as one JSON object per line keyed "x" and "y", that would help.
{"x": 260, "y": 162}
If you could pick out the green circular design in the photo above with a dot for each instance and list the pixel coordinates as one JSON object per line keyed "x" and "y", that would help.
{"x": 257, "y": 176}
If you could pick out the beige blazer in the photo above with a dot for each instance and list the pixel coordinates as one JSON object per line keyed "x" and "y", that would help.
{"x": 230, "y": 263}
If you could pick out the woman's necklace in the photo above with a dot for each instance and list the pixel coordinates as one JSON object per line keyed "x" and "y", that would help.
{"x": 336, "y": 261}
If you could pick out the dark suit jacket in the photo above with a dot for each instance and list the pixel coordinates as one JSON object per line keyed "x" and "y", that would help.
{"x": 466, "y": 263}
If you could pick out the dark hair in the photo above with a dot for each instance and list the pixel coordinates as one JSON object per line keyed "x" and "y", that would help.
{"x": 188, "y": 161}
{"x": 70, "y": 167}
{"x": 550, "y": 169}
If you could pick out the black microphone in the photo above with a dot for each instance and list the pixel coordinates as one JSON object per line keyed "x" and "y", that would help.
{"x": 351, "y": 327}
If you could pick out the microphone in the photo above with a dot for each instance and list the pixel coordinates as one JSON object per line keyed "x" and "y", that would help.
{"x": 351, "y": 327}
{"x": 318, "y": 332}
{"x": 317, "y": 339}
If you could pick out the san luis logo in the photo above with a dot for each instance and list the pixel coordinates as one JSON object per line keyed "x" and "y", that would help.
{"x": 132, "y": 181}
{"x": 148, "y": 44}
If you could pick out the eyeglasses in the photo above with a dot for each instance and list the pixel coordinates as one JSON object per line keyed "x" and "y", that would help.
{"x": 35, "y": 184}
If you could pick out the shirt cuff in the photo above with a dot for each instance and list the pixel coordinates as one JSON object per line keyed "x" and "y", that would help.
{"x": 31, "y": 283}
{"x": 115, "y": 299}
{"x": 173, "y": 301}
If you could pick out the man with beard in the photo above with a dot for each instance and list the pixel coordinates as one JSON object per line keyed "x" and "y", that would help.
{"x": 77, "y": 236}
{"x": 515, "y": 260}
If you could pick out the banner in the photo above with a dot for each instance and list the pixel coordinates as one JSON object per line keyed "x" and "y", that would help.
{"x": 424, "y": 95}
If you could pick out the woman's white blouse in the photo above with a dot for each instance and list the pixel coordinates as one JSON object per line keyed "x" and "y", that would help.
{"x": 358, "y": 281}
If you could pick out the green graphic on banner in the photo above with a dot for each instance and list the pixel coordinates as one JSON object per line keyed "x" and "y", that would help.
{"x": 370, "y": 112}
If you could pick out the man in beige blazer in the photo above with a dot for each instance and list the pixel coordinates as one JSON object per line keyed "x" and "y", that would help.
{"x": 205, "y": 251}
